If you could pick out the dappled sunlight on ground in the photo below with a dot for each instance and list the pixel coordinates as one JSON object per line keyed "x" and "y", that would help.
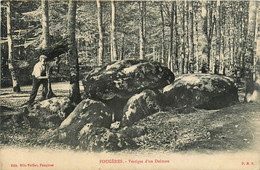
{"x": 60, "y": 89}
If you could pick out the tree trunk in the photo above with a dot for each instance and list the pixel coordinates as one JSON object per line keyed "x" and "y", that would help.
{"x": 45, "y": 24}
{"x": 183, "y": 55}
{"x": 197, "y": 66}
{"x": 122, "y": 47}
{"x": 251, "y": 83}
{"x": 101, "y": 31}
{"x": 46, "y": 40}
{"x": 113, "y": 34}
{"x": 74, "y": 93}
{"x": 244, "y": 45}
{"x": 191, "y": 38}
{"x": 11, "y": 64}
{"x": 141, "y": 31}
{"x": 176, "y": 49}
{"x": 187, "y": 46}
{"x": 163, "y": 34}
{"x": 170, "y": 55}
{"x": 257, "y": 41}
{"x": 223, "y": 41}
{"x": 218, "y": 28}
{"x": 208, "y": 29}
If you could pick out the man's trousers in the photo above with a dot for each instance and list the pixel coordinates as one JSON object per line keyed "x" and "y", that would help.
{"x": 36, "y": 85}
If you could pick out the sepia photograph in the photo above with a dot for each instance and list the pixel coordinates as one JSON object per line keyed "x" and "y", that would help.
{"x": 130, "y": 84}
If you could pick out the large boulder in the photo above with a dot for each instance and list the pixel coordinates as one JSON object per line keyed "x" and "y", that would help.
{"x": 114, "y": 84}
{"x": 125, "y": 78}
{"x": 206, "y": 91}
{"x": 103, "y": 139}
{"x": 51, "y": 112}
{"x": 87, "y": 111}
{"x": 140, "y": 106}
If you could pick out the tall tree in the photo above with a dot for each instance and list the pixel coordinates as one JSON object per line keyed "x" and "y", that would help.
{"x": 122, "y": 46}
{"x": 74, "y": 94}
{"x": 191, "y": 38}
{"x": 257, "y": 48}
{"x": 11, "y": 63}
{"x": 176, "y": 48}
{"x": 219, "y": 45}
{"x": 251, "y": 58}
{"x": 163, "y": 33}
{"x": 142, "y": 30}
{"x": 252, "y": 31}
{"x": 244, "y": 41}
{"x": 113, "y": 34}
{"x": 170, "y": 54}
{"x": 101, "y": 32}
{"x": 183, "y": 40}
{"x": 208, "y": 28}
{"x": 197, "y": 14}
{"x": 46, "y": 40}
{"x": 45, "y": 24}
{"x": 187, "y": 35}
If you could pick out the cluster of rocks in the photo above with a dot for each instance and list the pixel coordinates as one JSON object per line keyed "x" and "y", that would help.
{"x": 120, "y": 94}
{"x": 51, "y": 113}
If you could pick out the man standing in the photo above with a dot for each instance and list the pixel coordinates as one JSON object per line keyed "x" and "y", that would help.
{"x": 40, "y": 76}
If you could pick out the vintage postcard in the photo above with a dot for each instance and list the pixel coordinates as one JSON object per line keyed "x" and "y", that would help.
{"x": 118, "y": 84}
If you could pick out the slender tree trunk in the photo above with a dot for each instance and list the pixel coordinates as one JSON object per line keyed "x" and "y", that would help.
{"x": 176, "y": 49}
{"x": 252, "y": 18}
{"x": 170, "y": 56}
{"x": 183, "y": 56}
{"x": 46, "y": 40}
{"x": 251, "y": 29}
{"x": 163, "y": 34}
{"x": 11, "y": 64}
{"x": 241, "y": 42}
{"x": 74, "y": 94}
{"x": 141, "y": 31}
{"x": 100, "y": 30}
{"x": 210, "y": 36}
{"x": 191, "y": 37}
{"x": 223, "y": 42}
{"x": 240, "y": 38}
{"x": 229, "y": 45}
{"x": 187, "y": 47}
{"x": 244, "y": 45}
{"x": 218, "y": 28}
{"x": 197, "y": 43}
{"x": 257, "y": 57}
{"x": 122, "y": 47}
{"x": 113, "y": 34}
{"x": 208, "y": 30}
{"x": 45, "y": 24}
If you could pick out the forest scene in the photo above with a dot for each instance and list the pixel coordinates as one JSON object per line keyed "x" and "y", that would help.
{"x": 131, "y": 76}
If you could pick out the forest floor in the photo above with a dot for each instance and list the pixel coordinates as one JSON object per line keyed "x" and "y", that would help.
{"x": 231, "y": 129}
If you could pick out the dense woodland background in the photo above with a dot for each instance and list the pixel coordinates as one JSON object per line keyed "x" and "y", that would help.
{"x": 220, "y": 37}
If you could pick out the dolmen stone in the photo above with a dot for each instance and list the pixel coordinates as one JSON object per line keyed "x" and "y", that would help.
{"x": 140, "y": 106}
{"x": 51, "y": 112}
{"x": 87, "y": 111}
{"x": 207, "y": 91}
{"x": 97, "y": 139}
{"x": 114, "y": 84}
